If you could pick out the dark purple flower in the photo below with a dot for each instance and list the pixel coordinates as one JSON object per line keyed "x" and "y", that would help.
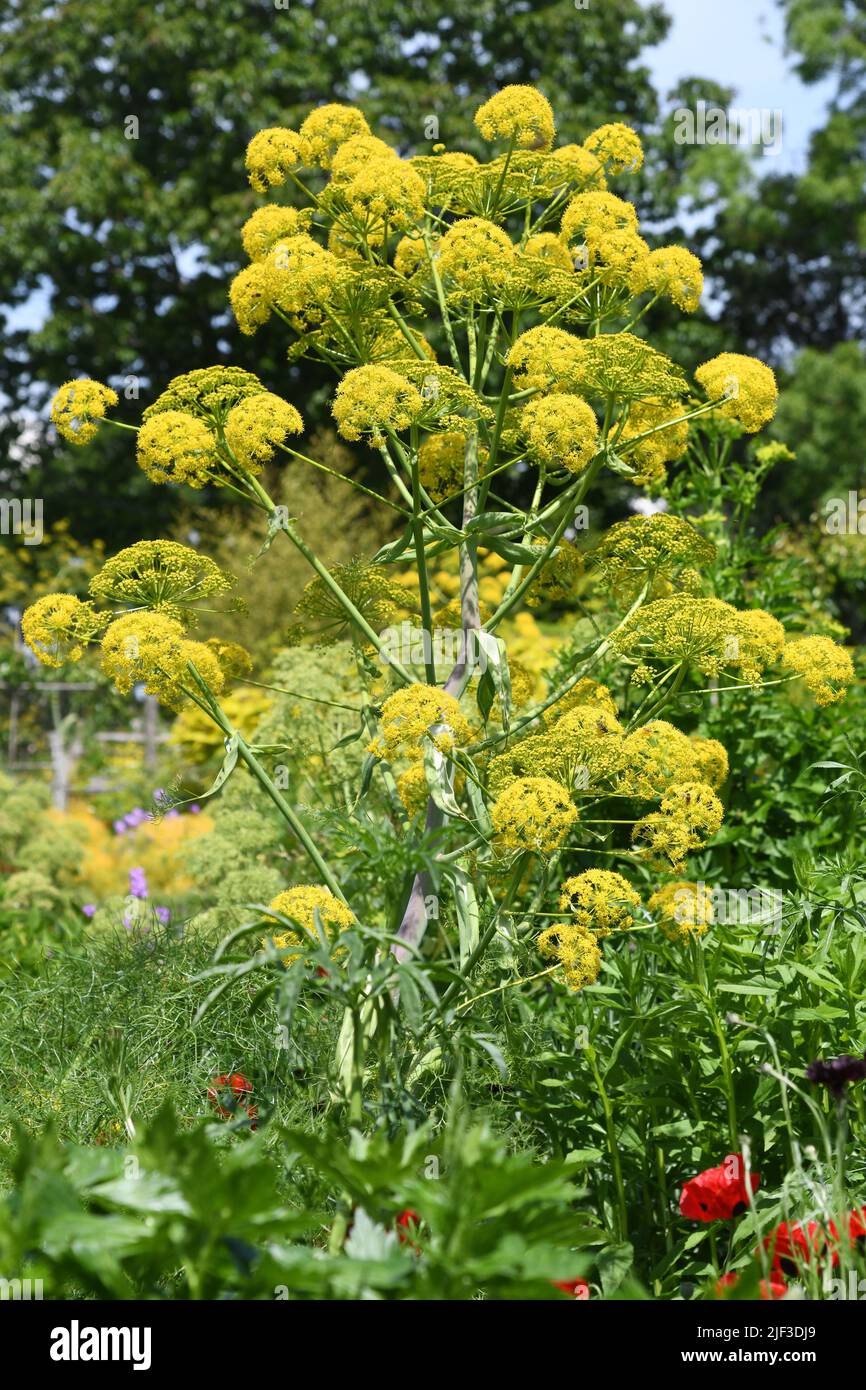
{"x": 836, "y": 1073}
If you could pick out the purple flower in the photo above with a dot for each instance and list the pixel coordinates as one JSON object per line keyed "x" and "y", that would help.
{"x": 194, "y": 809}
{"x": 137, "y": 883}
{"x": 836, "y": 1073}
{"x": 89, "y": 909}
{"x": 163, "y": 915}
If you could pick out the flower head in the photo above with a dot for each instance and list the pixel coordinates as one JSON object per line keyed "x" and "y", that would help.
{"x": 684, "y": 910}
{"x": 560, "y": 430}
{"x": 519, "y": 114}
{"x": 314, "y": 908}
{"x": 673, "y": 272}
{"x": 617, "y": 146}
{"x": 416, "y": 710}
{"x": 600, "y": 901}
{"x": 176, "y": 447}
{"x": 58, "y": 628}
{"x": 271, "y": 155}
{"x": 161, "y": 575}
{"x": 78, "y": 407}
{"x": 533, "y": 813}
{"x": 576, "y": 950}
{"x": 257, "y": 425}
{"x": 746, "y": 388}
{"x": 271, "y": 224}
{"x": 826, "y": 668}
{"x": 837, "y": 1073}
{"x": 474, "y": 256}
{"x": 373, "y": 399}
{"x": 327, "y": 128}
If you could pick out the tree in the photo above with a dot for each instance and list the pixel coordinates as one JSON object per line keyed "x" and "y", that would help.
{"x": 790, "y": 261}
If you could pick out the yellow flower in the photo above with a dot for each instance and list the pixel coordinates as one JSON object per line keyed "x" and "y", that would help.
{"x": 474, "y": 257}
{"x": 576, "y": 164}
{"x": 651, "y": 550}
{"x": 519, "y": 114}
{"x": 58, "y": 627}
{"x": 208, "y": 393}
{"x": 710, "y": 634}
{"x": 152, "y": 649}
{"x": 412, "y": 789}
{"x": 356, "y": 153}
{"x": 597, "y": 213}
{"x": 712, "y": 761}
{"x": 656, "y": 757}
{"x": 826, "y": 667}
{"x": 327, "y": 128}
{"x": 671, "y": 271}
{"x": 269, "y": 225}
{"x": 666, "y": 443}
{"x": 613, "y": 255}
{"x": 599, "y": 901}
{"x": 251, "y": 295}
{"x": 176, "y": 447}
{"x": 271, "y": 155}
{"x": 587, "y": 693}
{"x": 548, "y": 247}
{"x": 138, "y": 645}
{"x": 666, "y": 840}
{"x": 560, "y": 430}
{"x": 533, "y": 813}
{"x": 617, "y": 146}
{"x": 304, "y": 279}
{"x": 440, "y": 464}
{"x": 545, "y": 359}
{"x": 748, "y": 387}
{"x": 627, "y": 368}
{"x": 373, "y": 399}
{"x": 558, "y": 575}
{"x": 410, "y": 256}
{"x": 385, "y": 193}
{"x": 576, "y": 950}
{"x": 684, "y": 910}
{"x": 257, "y": 425}
{"x": 78, "y": 407}
{"x": 416, "y": 710}
{"x": 161, "y": 575}
{"x": 697, "y": 804}
{"x": 305, "y": 904}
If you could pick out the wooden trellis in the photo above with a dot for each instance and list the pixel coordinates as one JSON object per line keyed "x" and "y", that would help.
{"x": 65, "y": 741}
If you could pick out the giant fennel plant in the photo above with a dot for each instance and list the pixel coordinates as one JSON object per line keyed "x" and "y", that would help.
{"x": 480, "y": 320}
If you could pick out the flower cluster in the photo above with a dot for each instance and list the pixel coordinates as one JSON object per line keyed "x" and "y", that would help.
{"x": 314, "y": 909}
{"x": 533, "y": 813}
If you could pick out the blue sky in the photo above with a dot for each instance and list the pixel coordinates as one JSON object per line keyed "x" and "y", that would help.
{"x": 741, "y": 43}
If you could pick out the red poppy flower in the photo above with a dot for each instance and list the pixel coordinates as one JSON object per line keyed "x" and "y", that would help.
{"x": 575, "y": 1288}
{"x": 407, "y": 1224}
{"x": 775, "y": 1288}
{"x": 225, "y": 1092}
{"x": 793, "y": 1246}
{"x": 718, "y": 1194}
